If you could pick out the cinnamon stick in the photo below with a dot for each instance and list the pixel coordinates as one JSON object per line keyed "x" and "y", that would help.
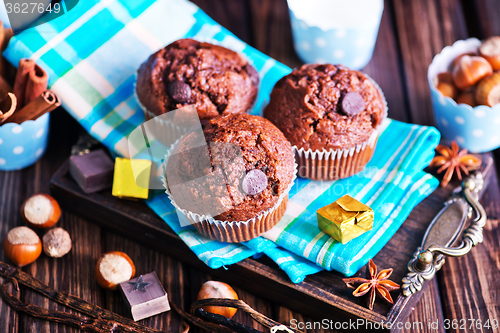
{"x": 41, "y": 105}
{"x": 31, "y": 80}
{"x": 36, "y": 85}
{"x": 7, "y": 106}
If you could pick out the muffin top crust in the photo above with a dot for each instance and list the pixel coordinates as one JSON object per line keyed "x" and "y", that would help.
{"x": 215, "y": 79}
{"x": 326, "y": 107}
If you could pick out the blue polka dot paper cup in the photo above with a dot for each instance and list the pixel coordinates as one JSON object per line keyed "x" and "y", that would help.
{"x": 476, "y": 129}
{"x": 335, "y": 31}
{"x": 22, "y": 145}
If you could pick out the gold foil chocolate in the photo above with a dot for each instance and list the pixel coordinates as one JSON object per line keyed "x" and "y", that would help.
{"x": 345, "y": 219}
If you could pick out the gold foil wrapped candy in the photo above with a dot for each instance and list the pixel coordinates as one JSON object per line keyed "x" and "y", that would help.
{"x": 345, "y": 219}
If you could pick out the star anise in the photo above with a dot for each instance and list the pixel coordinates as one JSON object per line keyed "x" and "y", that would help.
{"x": 454, "y": 160}
{"x": 378, "y": 284}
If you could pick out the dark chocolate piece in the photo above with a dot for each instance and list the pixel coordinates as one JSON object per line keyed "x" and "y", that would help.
{"x": 353, "y": 104}
{"x": 92, "y": 171}
{"x": 255, "y": 182}
{"x": 152, "y": 301}
{"x": 179, "y": 91}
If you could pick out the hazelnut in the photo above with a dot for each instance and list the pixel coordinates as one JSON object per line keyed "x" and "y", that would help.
{"x": 40, "y": 211}
{"x": 56, "y": 243}
{"x": 22, "y": 246}
{"x": 114, "y": 268}
{"x": 445, "y": 85}
{"x": 216, "y": 289}
{"x": 467, "y": 97}
{"x": 488, "y": 90}
{"x": 470, "y": 70}
{"x": 457, "y": 59}
{"x": 490, "y": 50}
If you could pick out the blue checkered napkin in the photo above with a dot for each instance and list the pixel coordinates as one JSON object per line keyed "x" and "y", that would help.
{"x": 91, "y": 55}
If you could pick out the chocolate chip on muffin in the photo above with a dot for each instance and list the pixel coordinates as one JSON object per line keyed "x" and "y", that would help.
{"x": 216, "y": 80}
{"x": 353, "y": 104}
{"x": 179, "y": 91}
{"x": 254, "y": 182}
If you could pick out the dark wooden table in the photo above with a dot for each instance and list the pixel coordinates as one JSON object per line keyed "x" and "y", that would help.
{"x": 411, "y": 33}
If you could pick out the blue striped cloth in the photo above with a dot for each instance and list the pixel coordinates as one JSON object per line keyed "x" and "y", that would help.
{"x": 91, "y": 55}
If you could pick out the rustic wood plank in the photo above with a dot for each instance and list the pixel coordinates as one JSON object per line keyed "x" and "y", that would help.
{"x": 10, "y": 201}
{"x": 272, "y": 33}
{"x": 427, "y": 311}
{"x": 386, "y": 67}
{"x": 482, "y": 18}
{"x": 423, "y": 29}
{"x": 73, "y": 273}
{"x": 232, "y": 15}
{"x": 471, "y": 284}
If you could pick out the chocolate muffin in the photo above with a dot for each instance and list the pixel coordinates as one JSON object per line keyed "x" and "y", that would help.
{"x": 328, "y": 110}
{"x": 246, "y": 170}
{"x": 215, "y": 79}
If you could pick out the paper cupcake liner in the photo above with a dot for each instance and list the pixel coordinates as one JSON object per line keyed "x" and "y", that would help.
{"x": 335, "y": 163}
{"x": 322, "y": 164}
{"x": 241, "y": 231}
{"x": 234, "y": 231}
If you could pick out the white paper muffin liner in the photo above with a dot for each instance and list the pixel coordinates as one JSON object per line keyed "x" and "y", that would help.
{"x": 322, "y": 164}
{"x": 233, "y": 231}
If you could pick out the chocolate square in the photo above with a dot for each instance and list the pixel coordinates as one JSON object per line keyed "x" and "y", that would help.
{"x": 92, "y": 171}
{"x": 143, "y": 304}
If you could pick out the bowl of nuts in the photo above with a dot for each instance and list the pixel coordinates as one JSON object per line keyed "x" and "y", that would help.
{"x": 464, "y": 80}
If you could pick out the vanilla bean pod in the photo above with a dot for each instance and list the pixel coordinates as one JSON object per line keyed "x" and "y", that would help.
{"x": 239, "y": 304}
{"x": 87, "y": 324}
{"x": 221, "y": 320}
{"x": 199, "y": 322}
{"x": 102, "y": 315}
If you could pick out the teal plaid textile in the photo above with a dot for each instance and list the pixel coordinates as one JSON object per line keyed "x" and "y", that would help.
{"x": 91, "y": 55}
